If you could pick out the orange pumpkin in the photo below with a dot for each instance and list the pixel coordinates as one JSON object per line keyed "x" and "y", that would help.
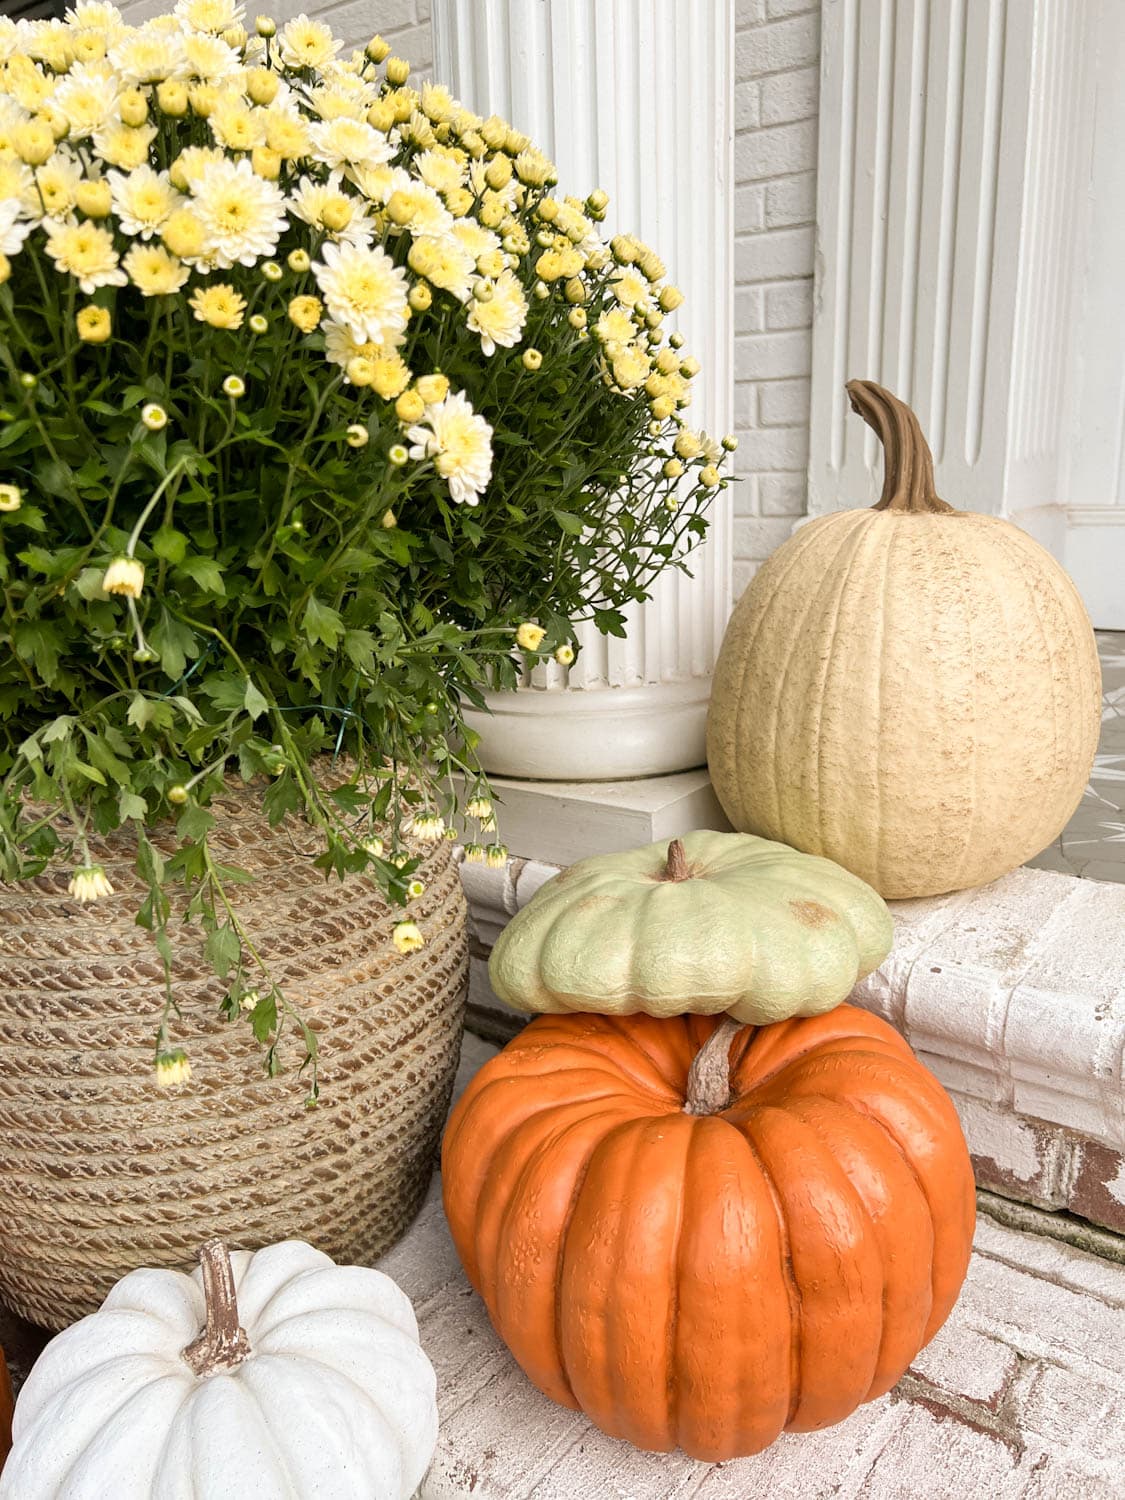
{"x": 701, "y": 1271}
{"x": 6, "y": 1405}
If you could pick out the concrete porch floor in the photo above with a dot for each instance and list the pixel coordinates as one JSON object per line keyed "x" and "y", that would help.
{"x": 1093, "y": 843}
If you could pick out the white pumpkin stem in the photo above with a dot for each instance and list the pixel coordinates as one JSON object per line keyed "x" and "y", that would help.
{"x": 708, "y": 1084}
{"x": 908, "y": 464}
{"x": 223, "y": 1344}
{"x": 677, "y": 867}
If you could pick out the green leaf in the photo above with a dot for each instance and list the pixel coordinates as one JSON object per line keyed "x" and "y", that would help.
{"x": 205, "y": 572}
{"x": 144, "y": 711}
{"x": 175, "y": 642}
{"x": 58, "y": 729}
{"x": 322, "y": 623}
{"x": 223, "y": 949}
{"x": 129, "y": 805}
{"x": 359, "y": 647}
{"x": 194, "y": 823}
{"x": 573, "y": 525}
{"x": 170, "y": 544}
{"x": 253, "y": 701}
{"x": 39, "y": 642}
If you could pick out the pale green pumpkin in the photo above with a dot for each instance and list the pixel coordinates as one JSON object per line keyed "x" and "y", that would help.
{"x": 713, "y": 922}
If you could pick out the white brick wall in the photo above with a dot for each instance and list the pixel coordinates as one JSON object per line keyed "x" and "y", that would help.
{"x": 777, "y": 55}
{"x": 404, "y": 23}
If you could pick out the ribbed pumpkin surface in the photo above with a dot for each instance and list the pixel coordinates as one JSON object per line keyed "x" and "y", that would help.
{"x": 705, "y": 1282}
{"x": 912, "y": 692}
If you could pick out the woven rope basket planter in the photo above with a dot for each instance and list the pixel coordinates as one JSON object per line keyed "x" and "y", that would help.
{"x": 101, "y": 1171}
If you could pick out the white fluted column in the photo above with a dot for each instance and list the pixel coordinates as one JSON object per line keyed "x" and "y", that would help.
{"x": 954, "y": 162}
{"x": 636, "y": 97}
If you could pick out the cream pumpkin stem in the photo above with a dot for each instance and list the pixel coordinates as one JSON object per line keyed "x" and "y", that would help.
{"x": 708, "y": 1084}
{"x": 223, "y": 1344}
{"x": 677, "y": 867}
{"x": 908, "y": 464}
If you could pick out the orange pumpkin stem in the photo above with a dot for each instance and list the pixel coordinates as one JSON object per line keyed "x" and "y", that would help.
{"x": 708, "y": 1084}
{"x": 908, "y": 464}
{"x": 677, "y": 867}
{"x": 223, "y": 1344}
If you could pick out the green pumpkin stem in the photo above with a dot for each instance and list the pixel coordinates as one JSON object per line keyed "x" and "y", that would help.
{"x": 908, "y": 464}
{"x": 223, "y": 1344}
{"x": 708, "y": 1085}
{"x": 677, "y": 867}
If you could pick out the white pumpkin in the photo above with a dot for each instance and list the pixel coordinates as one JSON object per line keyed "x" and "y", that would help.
{"x": 274, "y": 1375}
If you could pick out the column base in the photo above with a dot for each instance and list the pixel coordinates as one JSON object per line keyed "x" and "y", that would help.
{"x": 595, "y": 734}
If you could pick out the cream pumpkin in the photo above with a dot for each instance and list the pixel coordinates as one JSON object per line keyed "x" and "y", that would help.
{"x": 910, "y": 690}
{"x": 276, "y": 1375}
{"x": 710, "y": 923}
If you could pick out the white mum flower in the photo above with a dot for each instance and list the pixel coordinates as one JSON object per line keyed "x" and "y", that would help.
{"x": 460, "y": 444}
{"x": 499, "y": 318}
{"x": 143, "y": 200}
{"x": 310, "y": 199}
{"x": 243, "y": 214}
{"x": 439, "y": 171}
{"x": 214, "y": 16}
{"x": 307, "y": 44}
{"x": 208, "y": 57}
{"x": 150, "y": 54}
{"x": 87, "y": 97}
{"x": 341, "y": 345}
{"x": 13, "y": 229}
{"x": 475, "y": 238}
{"x": 89, "y": 883}
{"x": 364, "y": 289}
{"x": 194, "y": 162}
{"x": 95, "y": 15}
{"x": 15, "y": 182}
{"x": 10, "y": 38}
{"x": 342, "y": 142}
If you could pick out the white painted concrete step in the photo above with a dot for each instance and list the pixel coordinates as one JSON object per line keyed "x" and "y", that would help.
{"x": 1020, "y": 1397}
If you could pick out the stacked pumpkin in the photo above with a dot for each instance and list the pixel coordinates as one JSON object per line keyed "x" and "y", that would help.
{"x": 702, "y": 1200}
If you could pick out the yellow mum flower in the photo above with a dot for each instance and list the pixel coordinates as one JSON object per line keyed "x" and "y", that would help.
{"x": 11, "y": 497}
{"x": 172, "y": 98}
{"x": 124, "y": 146}
{"x": 218, "y": 304}
{"x": 183, "y": 234}
{"x": 124, "y": 576}
{"x": 33, "y": 142}
{"x": 237, "y": 126}
{"x": 407, "y": 937}
{"x": 529, "y": 637}
{"x": 390, "y": 376}
{"x": 86, "y": 252}
{"x": 154, "y": 272}
{"x": 305, "y": 313}
{"x": 443, "y": 263}
{"x": 94, "y": 324}
{"x": 172, "y": 1069}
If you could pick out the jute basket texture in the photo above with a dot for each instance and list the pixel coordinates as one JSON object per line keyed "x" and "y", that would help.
{"x": 101, "y": 1171}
